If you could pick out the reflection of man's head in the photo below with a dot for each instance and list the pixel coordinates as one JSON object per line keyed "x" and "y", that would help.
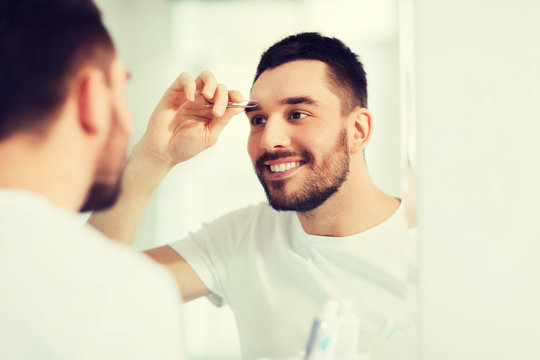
{"x": 45, "y": 46}
{"x": 306, "y": 85}
{"x": 106, "y": 187}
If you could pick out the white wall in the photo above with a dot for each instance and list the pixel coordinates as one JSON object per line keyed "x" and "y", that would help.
{"x": 478, "y": 90}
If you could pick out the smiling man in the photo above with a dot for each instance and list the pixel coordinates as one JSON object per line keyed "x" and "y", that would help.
{"x": 278, "y": 166}
{"x": 327, "y": 230}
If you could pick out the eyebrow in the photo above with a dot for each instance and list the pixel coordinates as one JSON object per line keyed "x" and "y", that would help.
{"x": 252, "y": 108}
{"x": 298, "y": 100}
{"x": 293, "y": 100}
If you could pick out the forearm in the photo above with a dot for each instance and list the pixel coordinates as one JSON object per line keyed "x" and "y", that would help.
{"x": 141, "y": 177}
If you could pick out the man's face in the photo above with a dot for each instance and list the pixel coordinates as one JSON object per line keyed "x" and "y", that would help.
{"x": 106, "y": 186}
{"x": 298, "y": 140}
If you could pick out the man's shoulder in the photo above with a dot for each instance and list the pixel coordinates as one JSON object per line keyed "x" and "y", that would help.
{"x": 29, "y": 215}
{"x": 55, "y": 238}
{"x": 29, "y": 218}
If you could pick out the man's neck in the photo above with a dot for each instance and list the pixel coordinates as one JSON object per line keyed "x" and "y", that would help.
{"x": 40, "y": 169}
{"x": 356, "y": 207}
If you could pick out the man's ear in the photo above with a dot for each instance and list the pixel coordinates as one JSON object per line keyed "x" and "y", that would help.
{"x": 91, "y": 91}
{"x": 361, "y": 127}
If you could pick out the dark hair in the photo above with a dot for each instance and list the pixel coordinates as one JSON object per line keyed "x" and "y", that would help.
{"x": 347, "y": 76}
{"x": 44, "y": 43}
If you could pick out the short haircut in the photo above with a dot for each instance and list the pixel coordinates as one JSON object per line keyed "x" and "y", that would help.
{"x": 347, "y": 77}
{"x": 44, "y": 43}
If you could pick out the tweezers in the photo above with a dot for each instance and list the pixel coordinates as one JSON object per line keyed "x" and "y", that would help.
{"x": 245, "y": 104}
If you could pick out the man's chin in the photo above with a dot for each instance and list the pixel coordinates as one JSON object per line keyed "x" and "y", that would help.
{"x": 281, "y": 200}
{"x": 101, "y": 197}
{"x": 297, "y": 205}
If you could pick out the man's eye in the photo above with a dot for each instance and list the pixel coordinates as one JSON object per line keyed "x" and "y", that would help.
{"x": 296, "y": 115}
{"x": 258, "y": 120}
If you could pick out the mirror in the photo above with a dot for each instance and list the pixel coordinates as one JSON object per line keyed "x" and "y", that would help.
{"x": 160, "y": 39}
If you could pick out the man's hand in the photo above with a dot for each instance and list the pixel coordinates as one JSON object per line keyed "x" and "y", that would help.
{"x": 181, "y": 126}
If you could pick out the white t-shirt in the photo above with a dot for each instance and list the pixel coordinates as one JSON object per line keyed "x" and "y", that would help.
{"x": 276, "y": 278}
{"x": 67, "y": 292}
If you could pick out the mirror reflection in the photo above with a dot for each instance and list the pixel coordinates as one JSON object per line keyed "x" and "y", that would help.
{"x": 328, "y": 159}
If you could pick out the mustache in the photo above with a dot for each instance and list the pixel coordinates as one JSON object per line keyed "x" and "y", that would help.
{"x": 270, "y": 156}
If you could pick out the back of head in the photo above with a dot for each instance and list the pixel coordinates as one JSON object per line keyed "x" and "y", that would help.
{"x": 44, "y": 43}
{"x": 347, "y": 77}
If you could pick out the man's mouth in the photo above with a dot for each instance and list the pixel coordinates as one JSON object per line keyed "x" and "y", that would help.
{"x": 279, "y": 168}
{"x": 281, "y": 165}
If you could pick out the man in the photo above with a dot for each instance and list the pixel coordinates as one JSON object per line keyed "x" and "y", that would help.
{"x": 67, "y": 291}
{"x": 334, "y": 234}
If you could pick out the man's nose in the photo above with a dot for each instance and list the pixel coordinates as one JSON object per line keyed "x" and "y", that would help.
{"x": 276, "y": 135}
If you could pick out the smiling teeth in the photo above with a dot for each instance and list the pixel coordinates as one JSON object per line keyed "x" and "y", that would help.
{"x": 284, "y": 166}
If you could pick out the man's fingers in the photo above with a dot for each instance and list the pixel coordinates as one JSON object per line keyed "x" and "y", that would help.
{"x": 221, "y": 98}
{"x": 207, "y": 83}
{"x": 218, "y": 95}
{"x": 220, "y": 122}
{"x": 236, "y": 96}
{"x": 184, "y": 83}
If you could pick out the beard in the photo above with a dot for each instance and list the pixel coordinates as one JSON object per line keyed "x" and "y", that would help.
{"x": 107, "y": 184}
{"x": 319, "y": 185}
{"x": 101, "y": 196}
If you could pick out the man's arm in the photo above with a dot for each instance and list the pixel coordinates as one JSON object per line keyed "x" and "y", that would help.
{"x": 141, "y": 177}
{"x": 189, "y": 282}
{"x": 180, "y": 128}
